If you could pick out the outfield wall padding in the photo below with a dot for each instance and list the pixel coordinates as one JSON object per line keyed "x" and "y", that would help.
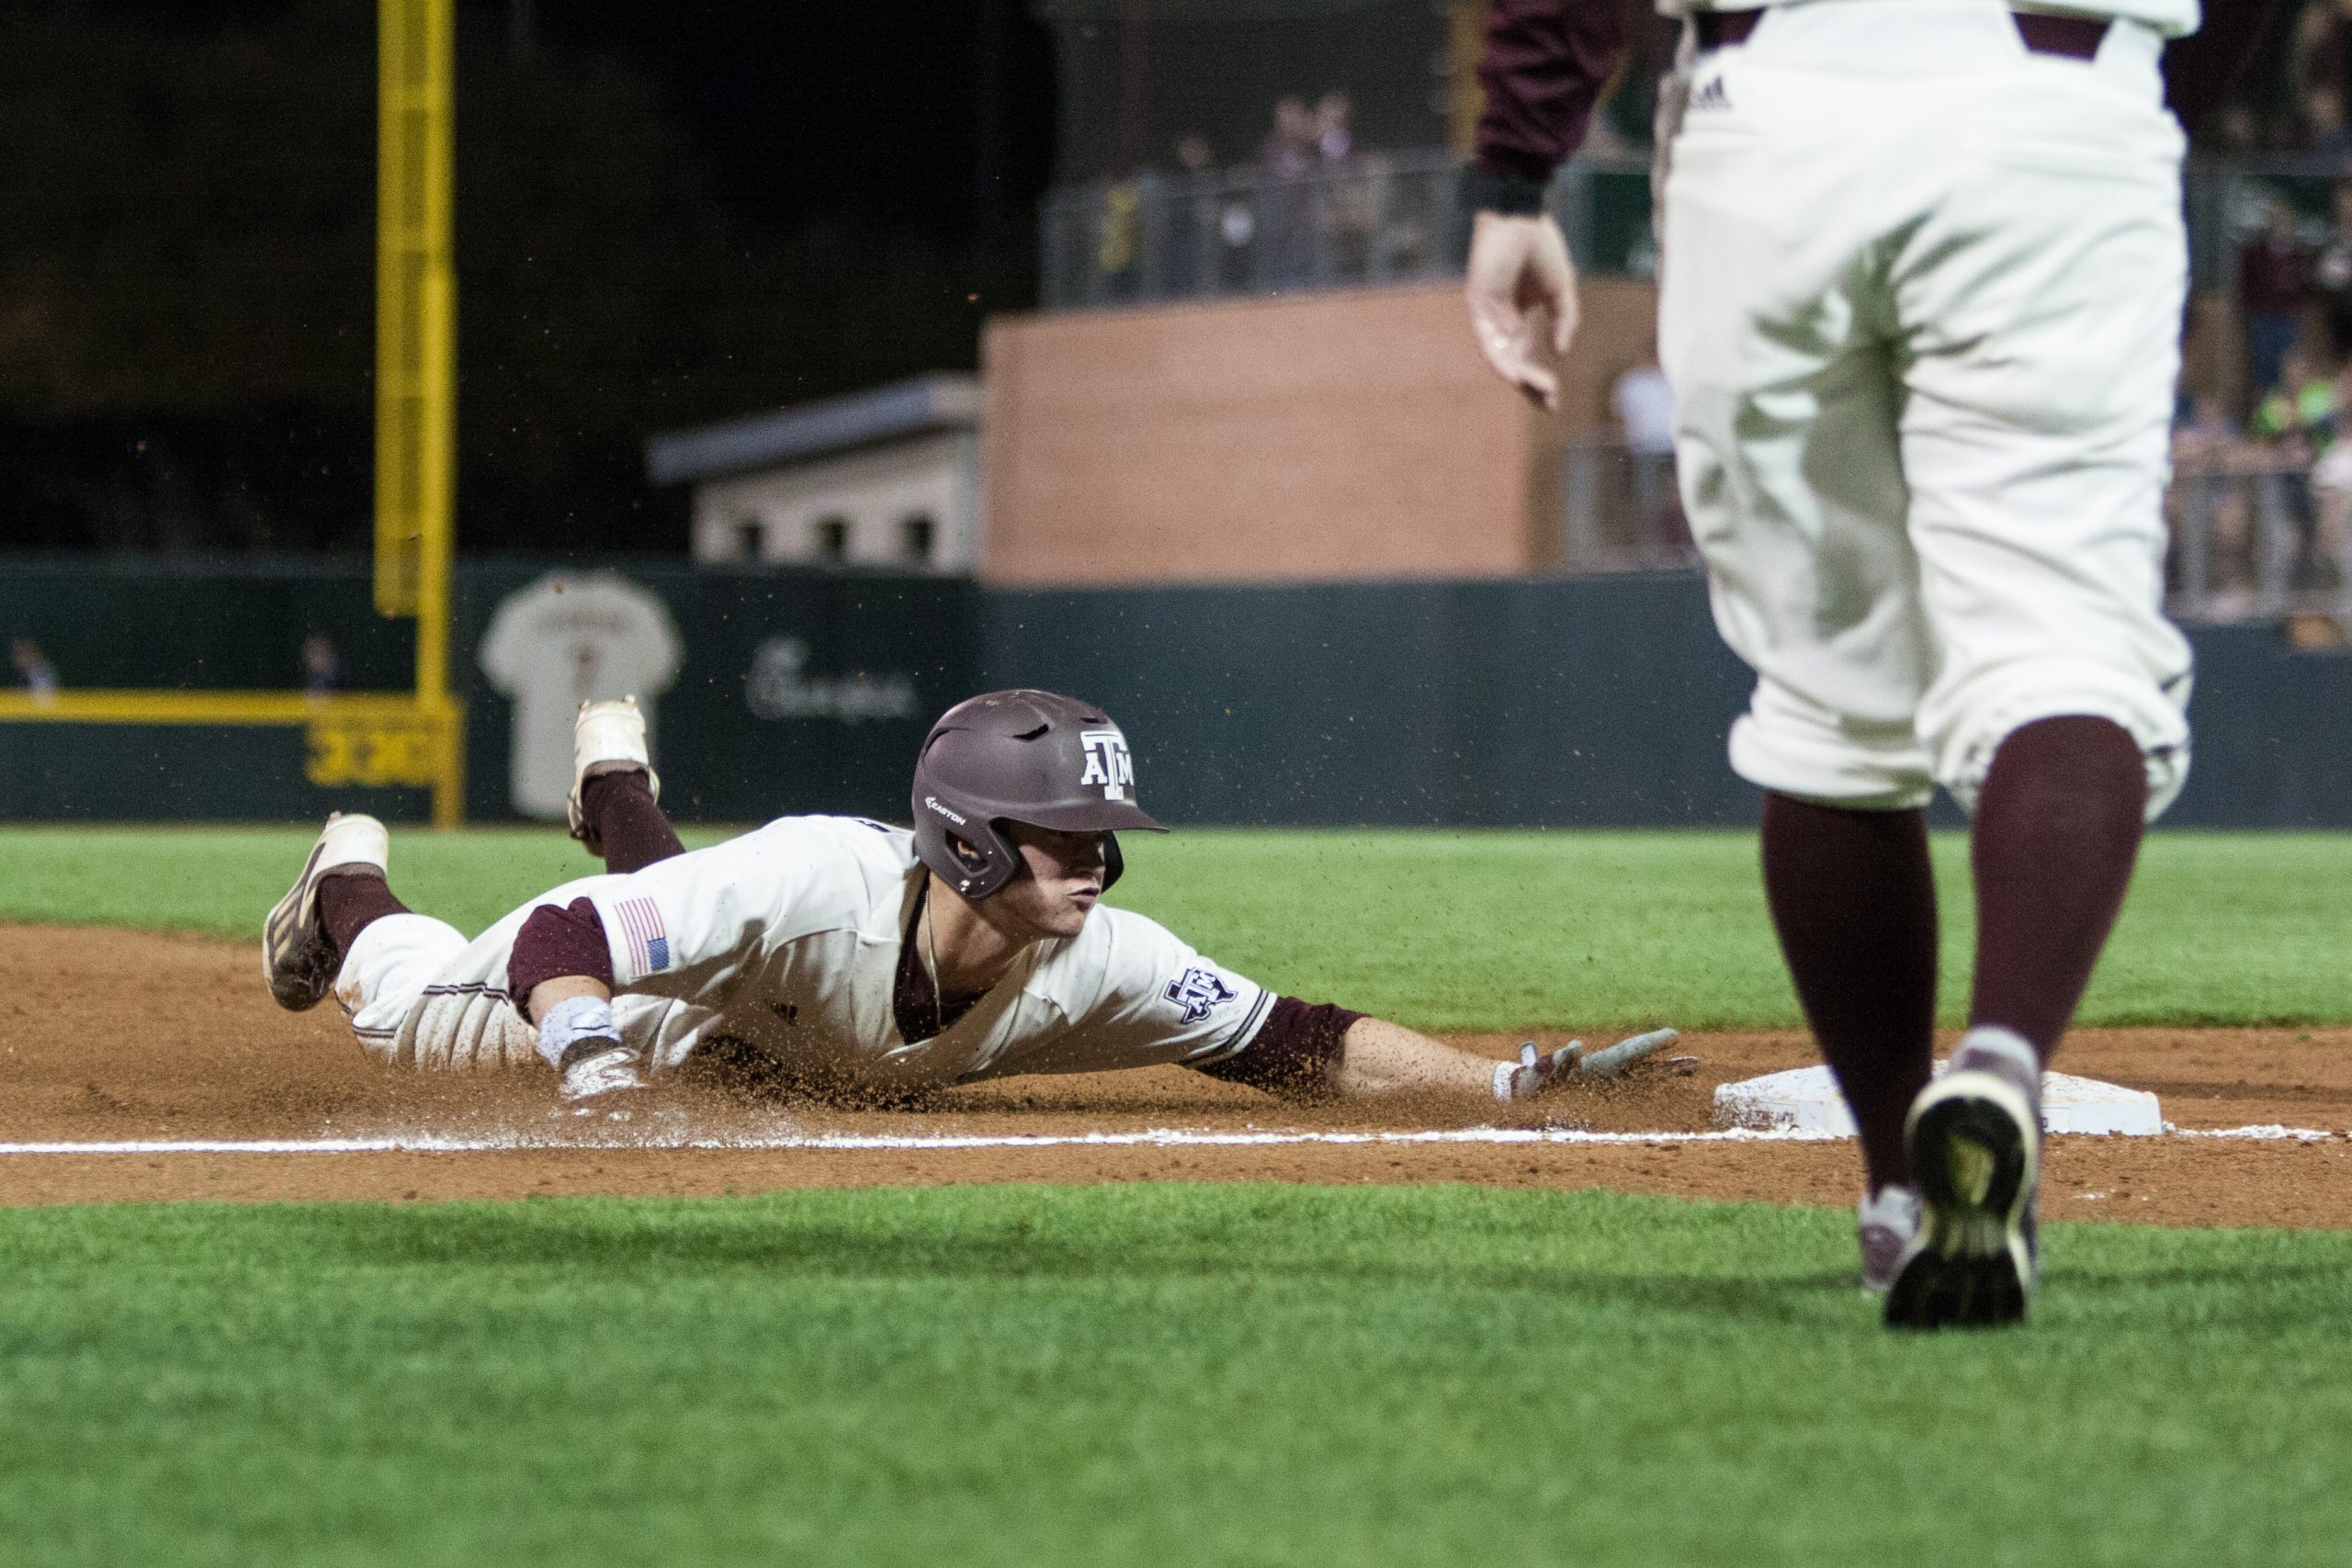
{"x": 1597, "y": 702}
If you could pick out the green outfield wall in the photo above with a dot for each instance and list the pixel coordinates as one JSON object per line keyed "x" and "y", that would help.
{"x": 1587, "y": 702}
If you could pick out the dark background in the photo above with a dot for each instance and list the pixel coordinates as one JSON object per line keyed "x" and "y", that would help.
{"x": 667, "y": 211}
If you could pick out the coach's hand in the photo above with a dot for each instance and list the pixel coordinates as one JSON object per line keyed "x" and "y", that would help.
{"x": 1517, "y": 263}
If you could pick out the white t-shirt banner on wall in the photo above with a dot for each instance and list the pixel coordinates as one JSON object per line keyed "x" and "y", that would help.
{"x": 568, "y": 638}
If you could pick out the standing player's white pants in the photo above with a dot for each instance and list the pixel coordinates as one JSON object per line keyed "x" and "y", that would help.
{"x": 1921, "y": 309}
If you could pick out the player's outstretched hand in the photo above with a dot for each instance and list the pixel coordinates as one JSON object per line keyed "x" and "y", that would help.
{"x": 603, "y": 1070}
{"x": 1518, "y": 263}
{"x": 1537, "y": 1072}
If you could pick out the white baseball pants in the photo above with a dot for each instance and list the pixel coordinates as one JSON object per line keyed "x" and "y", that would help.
{"x": 1921, "y": 309}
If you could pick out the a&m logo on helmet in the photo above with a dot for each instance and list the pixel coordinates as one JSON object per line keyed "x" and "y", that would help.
{"x": 1108, "y": 762}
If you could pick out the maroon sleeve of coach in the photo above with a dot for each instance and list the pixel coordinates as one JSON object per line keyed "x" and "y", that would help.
{"x": 1292, "y": 1052}
{"x": 2199, "y": 70}
{"x": 554, "y": 943}
{"x": 1546, "y": 64}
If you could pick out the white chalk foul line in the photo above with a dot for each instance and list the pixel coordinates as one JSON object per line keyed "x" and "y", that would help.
{"x": 1157, "y": 1137}
{"x": 1160, "y": 1137}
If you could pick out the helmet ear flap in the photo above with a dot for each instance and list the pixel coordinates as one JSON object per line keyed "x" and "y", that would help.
{"x": 977, "y": 862}
{"x": 1113, "y": 863}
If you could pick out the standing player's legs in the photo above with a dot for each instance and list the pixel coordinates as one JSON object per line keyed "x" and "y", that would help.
{"x": 2041, "y": 303}
{"x": 1788, "y": 444}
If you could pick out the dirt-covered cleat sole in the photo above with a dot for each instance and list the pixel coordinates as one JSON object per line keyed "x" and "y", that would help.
{"x": 297, "y": 958}
{"x": 606, "y": 737}
{"x": 1976, "y": 1156}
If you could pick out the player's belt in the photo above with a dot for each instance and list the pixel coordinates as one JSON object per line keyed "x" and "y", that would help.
{"x": 2076, "y": 37}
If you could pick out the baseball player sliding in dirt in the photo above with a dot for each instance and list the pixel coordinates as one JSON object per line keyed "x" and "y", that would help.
{"x": 1920, "y": 304}
{"x": 848, "y": 956}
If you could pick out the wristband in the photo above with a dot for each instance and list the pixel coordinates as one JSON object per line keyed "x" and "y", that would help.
{"x": 572, "y": 1021}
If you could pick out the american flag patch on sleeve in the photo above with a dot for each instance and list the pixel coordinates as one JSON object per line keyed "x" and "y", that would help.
{"x": 648, "y": 941}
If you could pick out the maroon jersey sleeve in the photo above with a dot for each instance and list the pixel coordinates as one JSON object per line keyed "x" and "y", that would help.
{"x": 1292, "y": 1052}
{"x": 1546, "y": 64}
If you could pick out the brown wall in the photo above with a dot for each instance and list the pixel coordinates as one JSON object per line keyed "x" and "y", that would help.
{"x": 1350, "y": 435}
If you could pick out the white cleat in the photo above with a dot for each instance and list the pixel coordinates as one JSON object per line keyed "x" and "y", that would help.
{"x": 296, "y": 957}
{"x": 608, "y": 736}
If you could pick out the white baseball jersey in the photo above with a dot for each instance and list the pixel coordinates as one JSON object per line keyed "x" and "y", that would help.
{"x": 2173, "y": 19}
{"x": 789, "y": 938}
{"x": 568, "y": 638}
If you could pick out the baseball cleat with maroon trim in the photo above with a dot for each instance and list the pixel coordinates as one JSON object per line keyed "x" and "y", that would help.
{"x": 1974, "y": 1135}
{"x": 297, "y": 957}
{"x": 608, "y": 736}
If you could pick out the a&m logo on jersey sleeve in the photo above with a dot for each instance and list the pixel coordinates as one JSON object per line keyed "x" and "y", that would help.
{"x": 1199, "y": 990}
{"x": 1108, "y": 762}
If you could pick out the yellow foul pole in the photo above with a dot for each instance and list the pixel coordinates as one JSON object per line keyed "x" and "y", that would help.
{"x": 415, "y": 359}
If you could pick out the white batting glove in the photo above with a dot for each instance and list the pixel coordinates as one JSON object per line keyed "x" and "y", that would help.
{"x": 1535, "y": 1071}
{"x": 594, "y": 1068}
{"x": 1539, "y": 1072}
{"x": 1519, "y": 263}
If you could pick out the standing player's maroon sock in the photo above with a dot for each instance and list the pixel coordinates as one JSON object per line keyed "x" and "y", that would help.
{"x": 1854, "y": 901}
{"x": 2058, "y": 827}
{"x": 349, "y": 901}
{"x": 630, "y": 823}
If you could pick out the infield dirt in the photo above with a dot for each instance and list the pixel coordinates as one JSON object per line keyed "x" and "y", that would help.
{"x": 111, "y": 1037}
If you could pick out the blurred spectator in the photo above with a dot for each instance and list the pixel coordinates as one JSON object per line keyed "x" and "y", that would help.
{"x": 1119, "y": 239}
{"x": 1643, "y": 403}
{"x": 1334, "y": 134}
{"x": 1286, "y": 239}
{"x": 2299, "y": 411}
{"x": 1190, "y": 263}
{"x": 2204, "y": 435}
{"x": 2237, "y": 133}
{"x": 34, "y": 669}
{"x": 322, "y": 667}
{"x": 2320, "y": 54}
{"x": 2272, "y": 288}
{"x": 1351, "y": 201}
{"x": 1291, "y": 148}
{"x": 2331, "y": 273}
{"x": 2324, "y": 133}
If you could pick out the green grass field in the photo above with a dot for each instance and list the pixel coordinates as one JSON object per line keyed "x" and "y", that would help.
{"x": 1175, "y": 1375}
{"x": 1445, "y": 930}
{"x": 1191, "y": 1375}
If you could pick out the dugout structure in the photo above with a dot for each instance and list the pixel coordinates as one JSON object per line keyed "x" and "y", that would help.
{"x": 374, "y": 739}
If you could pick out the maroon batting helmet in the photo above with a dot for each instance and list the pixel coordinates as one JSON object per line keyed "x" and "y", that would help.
{"x": 1020, "y": 756}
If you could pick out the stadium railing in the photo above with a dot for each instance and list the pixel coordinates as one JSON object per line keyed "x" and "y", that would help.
{"x": 2254, "y": 536}
{"x": 2257, "y": 538}
{"x": 1377, "y": 218}
{"x": 1392, "y": 217}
